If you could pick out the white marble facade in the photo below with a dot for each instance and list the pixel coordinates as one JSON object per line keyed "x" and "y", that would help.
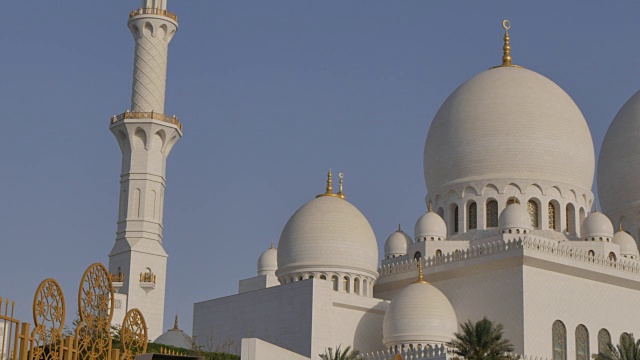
{"x": 510, "y": 233}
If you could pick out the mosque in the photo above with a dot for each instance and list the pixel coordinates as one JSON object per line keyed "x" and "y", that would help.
{"x": 510, "y": 230}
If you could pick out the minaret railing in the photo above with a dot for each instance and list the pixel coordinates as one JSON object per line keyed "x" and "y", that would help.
{"x": 147, "y": 115}
{"x": 154, "y": 11}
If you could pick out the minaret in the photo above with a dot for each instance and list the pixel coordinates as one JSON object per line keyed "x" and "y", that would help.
{"x": 146, "y": 136}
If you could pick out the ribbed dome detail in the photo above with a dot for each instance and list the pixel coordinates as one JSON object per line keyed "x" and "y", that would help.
{"x": 396, "y": 244}
{"x": 430, "y": 225}
{"x": 419, "y": 314}
{"x": 328, "y": 234}
{"x": 628, "y": 246}
{"x": 508, "y": 123}
{"x": 596, "y": 226}
{"x": 268, "y": 262}
{"x": 515, "y": 216}
{"x": 619, "y": 161}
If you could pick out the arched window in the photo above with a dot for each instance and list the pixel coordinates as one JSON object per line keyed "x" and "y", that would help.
{"x": 604, "y": 339}
{"x": 612, "y": 256}
{"x": 582, "y": 343}
{"x": 347, "y": 284}
{"x": 356, "y": 286}
{"x": 441, "y": 212}
{"x": 417, "y": 255}
{"x": 438, "y": 253}
{"x": 572, "y": 227}
{"x": 492, "y": 213}
{"x": 552, "y": 216}
{"x": 323, "y": 277}
{"x": 592, "y": 253}
{"x": 473, "y": 215}
{"x": 334, "y": 282}
{"x": 365, "y": 287}
{"x": 559, "y": 340}
{"x": 455, "y": 218}
{"x": 532, "y": 207}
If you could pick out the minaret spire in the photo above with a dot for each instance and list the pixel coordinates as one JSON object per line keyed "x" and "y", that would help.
{"x": 146, "y": 136}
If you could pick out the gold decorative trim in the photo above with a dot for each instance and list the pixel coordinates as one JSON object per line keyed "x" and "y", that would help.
{"x": 152, "y": 11}
{"x": 146, "y": 115}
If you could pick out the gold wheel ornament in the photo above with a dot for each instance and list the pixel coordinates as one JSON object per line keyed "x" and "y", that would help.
{"x": 95, "y": 305}
{"x": 133, "y": 335}
{"x": 48, "y": 316}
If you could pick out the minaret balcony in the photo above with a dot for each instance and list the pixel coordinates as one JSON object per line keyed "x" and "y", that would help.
{"x": 117, "y": 280}
{"x": 147, "y": 115}
{"x": 154, "y": 11}
{"x": 147, "y": 281}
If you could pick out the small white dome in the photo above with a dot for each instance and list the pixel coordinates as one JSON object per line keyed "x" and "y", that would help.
{"x": 628, "y": 246}
{"x": 483, "y": 131}
{"x": 396, "y": 244}
{"x": 596, "y": 226}
{"x": 328, "y": 234}
{"x": 175, "y": 337}
{"x": 430, "y": 225}
{"x": 515, "y": 216}
{"x": 619, "y": 161}
{"x": 268, "y": 262}
{"x": 419, "y": 314}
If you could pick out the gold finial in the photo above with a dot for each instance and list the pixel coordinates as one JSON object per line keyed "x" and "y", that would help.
{"x": 515, "y": 200}
{"x": 329, "y": 191}
{"x": 340, "y": 193}
{"x": 430, "y": 206}
{"x": 506, "y": 57}
{"x": 272, "y": 246}
{"x": 399, "y": 229}
{"x": 620, "y": 227}
{"x": 506, "y": 48}
{"x": 596, "y": 205}
{"x": 420, "y": 277}
{"x": 175, "y": 323}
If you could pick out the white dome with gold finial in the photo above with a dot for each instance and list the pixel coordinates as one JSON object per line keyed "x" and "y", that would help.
{"x": 628, "y": 246}
{"x": 508, "y": 129}
{"x": 396, "y": 244}
{"x": 596, "y": 226}
{"x": 418, "y": 315}
{"x": 430, "y": 226}
{"x": 327, "y": 235}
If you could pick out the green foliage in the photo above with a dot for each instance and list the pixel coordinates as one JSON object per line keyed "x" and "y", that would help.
{"x": 347, "y": 354}
{"x": 628, "y": 349}
{"x": 482, "y": 340}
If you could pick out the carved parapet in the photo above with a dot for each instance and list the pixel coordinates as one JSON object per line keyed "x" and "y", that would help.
{"x": 153, "y": 11}
{"x": 146, "y": 115}
{"x": 474, "y": 251}
{"x": 418, "y": 352}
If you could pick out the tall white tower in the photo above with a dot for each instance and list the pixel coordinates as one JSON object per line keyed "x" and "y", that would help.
{"x": 146, "y": 135}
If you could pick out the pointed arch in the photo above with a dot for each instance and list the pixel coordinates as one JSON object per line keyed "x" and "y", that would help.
{"x": 472, "y": 215}
{"x": 492, "y": 213}
{"x": 582, "y": 343}
{"x": 140, "y": 139}
{"x": 559, "y": 340}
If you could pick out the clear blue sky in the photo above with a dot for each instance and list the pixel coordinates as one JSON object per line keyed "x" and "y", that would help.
{"x": 271, "y": 94}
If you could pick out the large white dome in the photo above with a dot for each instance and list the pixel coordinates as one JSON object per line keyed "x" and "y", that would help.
{"x": 508, "y": 123}
{"x": 619, "y": 161}
{"x": 328, "y": 234}
{"x": 420, "y": 314}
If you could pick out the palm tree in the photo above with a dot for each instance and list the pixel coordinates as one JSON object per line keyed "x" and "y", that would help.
{"x": 481, "y": 341}
{"x": 628, "y": 349}
{"x": 347, "y": 354}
